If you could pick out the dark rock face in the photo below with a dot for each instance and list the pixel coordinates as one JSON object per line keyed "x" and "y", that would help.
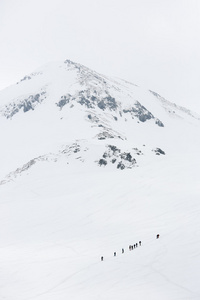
{"x": 102, "y": 162}
{"x": 120, "y": 166}
{"x": 159, "y": 123}
{"x": 64, "y": 100}
{"x": 92, "y": 97}
{"x": 126, "y": 156}
{"x": 140, "y": 112}
{"x": 114, "y": 149}
{"x": 26, "y": 105}
{"x": 108, "y": 102}
{"x": 159, "y": 151}
{"x": 123, "y": 160}
{"x": 105, "y": 135}
{"x": 89, "y": 99}
{"x": 83, "y": 99}
{"x": 101, "y": 105}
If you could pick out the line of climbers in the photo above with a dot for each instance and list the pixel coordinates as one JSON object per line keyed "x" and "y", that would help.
{"x": 131, "y": 247}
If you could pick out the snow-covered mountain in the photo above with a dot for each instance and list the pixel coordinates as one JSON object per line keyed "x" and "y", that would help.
{"x": 89, "y": 165}
{"x": 66, "y": 109}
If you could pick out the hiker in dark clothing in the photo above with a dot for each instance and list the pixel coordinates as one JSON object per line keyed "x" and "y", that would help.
{"x": 122, "y": 250}
{"x": 130, "y": 248}
{"x": 136, "y": 245}
{"x": 157, "y": 236}
{"x": 115, "y": 253}
{"x": 102, "y": 258}
{"x": 140, "y": 243}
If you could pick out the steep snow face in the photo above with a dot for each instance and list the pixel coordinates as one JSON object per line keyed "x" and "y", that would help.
{"x": 69, "y": 83}
{"x": 91, "y": 165}
{"x": 62, "y": 103}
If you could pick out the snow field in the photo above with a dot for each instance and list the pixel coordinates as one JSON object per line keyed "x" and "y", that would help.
{"x": 56, "y": 225}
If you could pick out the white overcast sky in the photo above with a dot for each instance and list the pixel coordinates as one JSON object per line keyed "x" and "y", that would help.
{"x": 153, "y": 43}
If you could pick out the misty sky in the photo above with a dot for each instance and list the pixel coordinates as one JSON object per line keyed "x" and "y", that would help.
{"x": 153, "y": 43}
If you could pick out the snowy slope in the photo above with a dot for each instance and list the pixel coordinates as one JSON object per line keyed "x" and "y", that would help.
{"x": 91, "y": 165}
{"x": 62, "y": 103}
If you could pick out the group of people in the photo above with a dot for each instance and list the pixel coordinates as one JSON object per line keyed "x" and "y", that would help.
{"x": 131, "y": 247}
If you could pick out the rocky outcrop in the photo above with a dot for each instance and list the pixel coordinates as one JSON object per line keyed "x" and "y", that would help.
{"x": 114, "y": 155}
{"x": 24, "y": 105}
{"x": 159, "y": 151}
{"x": 90, "y": 99}
{"x": 141, "y": 113}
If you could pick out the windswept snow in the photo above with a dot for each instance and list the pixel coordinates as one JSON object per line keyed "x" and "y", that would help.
{"x": 61, "y": 209}
{"x": 57, "y": 223}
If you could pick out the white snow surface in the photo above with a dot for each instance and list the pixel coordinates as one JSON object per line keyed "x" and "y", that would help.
{"x": 60, "y": 211}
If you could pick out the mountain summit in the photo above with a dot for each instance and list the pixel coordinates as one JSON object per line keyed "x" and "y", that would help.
{"x": 68, "y": 110}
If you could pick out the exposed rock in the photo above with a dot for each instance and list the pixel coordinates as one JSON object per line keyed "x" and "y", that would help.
{"x": 26, "y": 78}
{"x": 159, "y": 123}
{"x": 114, "y": 149}
{"x": 105, "y": 155}
{"x": 120, "y": 166}
{"x": 123, "y": 159}
{"x": 102, "y": 162}
{"x": 137, "y": 151}
{"x": 64, "y": 100}
{"x": 159, "y": 151}
{"x": 140, "y": 112}
{"x": 105, "y": 135}
{"x": 126, "y": 156}
{"x": 26, "y": 105}
{"x": 90, "y": 99}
